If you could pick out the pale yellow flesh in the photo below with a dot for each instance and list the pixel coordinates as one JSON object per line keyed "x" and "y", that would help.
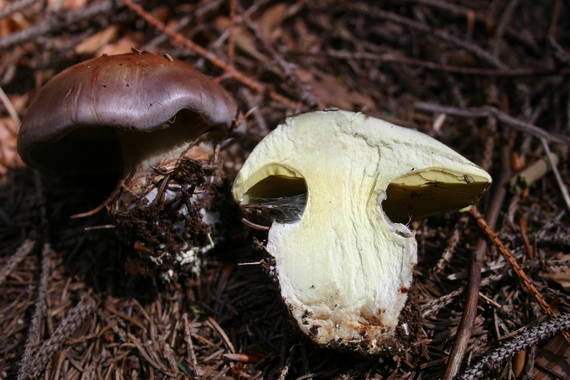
{"x": 344, "y": 267}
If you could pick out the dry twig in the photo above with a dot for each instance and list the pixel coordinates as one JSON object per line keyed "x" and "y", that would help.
{"x": 14, "y": 7}
{"x": 54, "y": 22}
{"x": 503, "y": 24}
{"x": 398, "y": 58}
{"x": 435, "y": 305}
{"x": 526, "y": 281}
{"x": 450, "y": 248}
{"x": 369, "y": 11}
{"x": 208, "y": 7}
{"x": 552, "y": 161}
{"x": 229, "y": 69}
{"x": 489, "y": 111}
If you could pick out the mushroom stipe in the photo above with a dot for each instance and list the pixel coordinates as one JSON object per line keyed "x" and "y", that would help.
{"x": 173, "y": 222}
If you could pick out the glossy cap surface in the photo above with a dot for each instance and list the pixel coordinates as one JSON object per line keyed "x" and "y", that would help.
{"x": 138, "y": 92}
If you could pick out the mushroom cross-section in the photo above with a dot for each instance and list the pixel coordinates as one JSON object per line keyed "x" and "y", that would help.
{"x": 137, "y": 118}
{"x": 345, "y": 265}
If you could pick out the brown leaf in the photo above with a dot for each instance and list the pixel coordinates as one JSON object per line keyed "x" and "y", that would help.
{"x": 554, "y": 356}
{"x": 244, "y": 39}
{"x": 122, "y": 45}
{"x": 562, "y": 278}
{"x": 68, "y": 4}
{"x": 12, "y": 24}
{"x": 331, "y": 92}
{"x": 270, "y": 21}
{"x": 95, "y": 42}
{"x": 559, "y": 274}
{"x": 9, "y": 157}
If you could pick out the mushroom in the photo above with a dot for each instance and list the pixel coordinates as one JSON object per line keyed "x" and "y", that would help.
{"x": 344, "y": 263}
{"x": 141, "y": 119}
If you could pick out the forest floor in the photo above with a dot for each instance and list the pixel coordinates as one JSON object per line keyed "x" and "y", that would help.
{"x": 488, "y": 78}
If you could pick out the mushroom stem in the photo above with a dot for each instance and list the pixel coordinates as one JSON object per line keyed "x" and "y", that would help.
{"x": 144, "y": 152}
{"x": 165, "y": 204}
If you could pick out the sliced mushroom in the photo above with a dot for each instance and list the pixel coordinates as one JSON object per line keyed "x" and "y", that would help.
{"x": 345, "y": 264}
{"x": 136, "y": 117}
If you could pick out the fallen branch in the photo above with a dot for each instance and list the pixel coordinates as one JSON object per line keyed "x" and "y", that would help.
{"x": 55, "y": 21}
{"x": 375, "y": 12}
{"x": 488, "y": 111}
{"x": 392, "y": 57}
{"x": 12, "y": 8}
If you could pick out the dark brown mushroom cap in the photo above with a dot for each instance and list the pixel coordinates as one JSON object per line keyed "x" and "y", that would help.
{"x": 137, "y": 91}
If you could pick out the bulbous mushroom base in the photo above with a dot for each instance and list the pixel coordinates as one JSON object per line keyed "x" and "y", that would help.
{"x": 167, "y": 214}
{"x": 358, "y": 331}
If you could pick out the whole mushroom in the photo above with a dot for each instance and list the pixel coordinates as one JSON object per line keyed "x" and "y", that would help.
{"x": 344, "y": 258}
{"x": 148, "y": 122}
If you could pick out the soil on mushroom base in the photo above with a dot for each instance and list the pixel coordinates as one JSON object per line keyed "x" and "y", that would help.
{"x": 173, "y": 225}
